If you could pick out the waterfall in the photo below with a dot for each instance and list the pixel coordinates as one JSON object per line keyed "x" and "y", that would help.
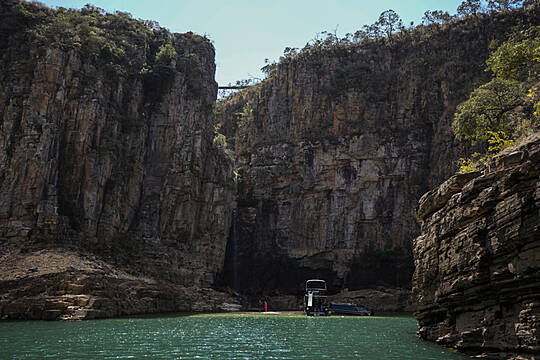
{"x": 235, "y": 250}
{"x": 235, "y": 238}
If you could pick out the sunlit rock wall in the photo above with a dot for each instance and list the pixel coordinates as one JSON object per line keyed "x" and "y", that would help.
{"x": 335, "y": 148}
{"x": 477, "y": 277}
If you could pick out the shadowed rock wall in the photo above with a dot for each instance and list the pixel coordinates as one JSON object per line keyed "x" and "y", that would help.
{"x": 108, "y": 157}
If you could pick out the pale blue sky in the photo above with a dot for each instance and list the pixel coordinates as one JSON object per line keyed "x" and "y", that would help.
{"x": 245, "y": 32}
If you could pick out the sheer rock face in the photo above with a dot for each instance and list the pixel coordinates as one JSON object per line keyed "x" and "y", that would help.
{"x": 117, "y": 167}
{"x": 477, "y": 261}
{"x": 336, "y": 148}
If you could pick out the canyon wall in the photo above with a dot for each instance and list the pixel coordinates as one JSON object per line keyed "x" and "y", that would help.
{"x": 477, "y": 260}
{"x": 115, "y": 199}
{"x": 106, "y": 159}
{"x": 335, "y": 148}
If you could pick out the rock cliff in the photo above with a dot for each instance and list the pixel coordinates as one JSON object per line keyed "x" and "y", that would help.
{"x": 335, "y": 148}
{"x": 106, "y": 165}
{"x": 114, "y": 199}
{"x": 477, "y": 260}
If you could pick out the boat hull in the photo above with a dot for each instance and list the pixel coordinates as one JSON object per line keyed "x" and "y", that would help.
{"x": 349, "y": 309}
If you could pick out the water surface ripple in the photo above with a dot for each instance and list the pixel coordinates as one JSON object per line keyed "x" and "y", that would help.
{"x": 220, "y": 337}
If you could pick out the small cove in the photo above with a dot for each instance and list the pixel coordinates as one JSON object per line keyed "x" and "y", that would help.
{"x": 221, "y": 336}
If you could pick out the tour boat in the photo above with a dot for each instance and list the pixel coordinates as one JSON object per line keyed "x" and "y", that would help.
{"x": 315, "y": 299}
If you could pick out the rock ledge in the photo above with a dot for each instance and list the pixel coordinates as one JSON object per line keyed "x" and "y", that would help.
{"x": 477, "y": 279}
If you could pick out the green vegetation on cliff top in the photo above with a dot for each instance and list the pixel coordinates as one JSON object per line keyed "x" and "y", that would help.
{"x": 507, "y": 108}
{"x": 116, "y": 42}
{"x": 389, "y": 28}
{"x": 497, "y": 112}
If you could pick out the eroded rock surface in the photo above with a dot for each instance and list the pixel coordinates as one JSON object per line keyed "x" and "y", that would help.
{"x": 100, "y": 155}
{"x": 477, "y": 261}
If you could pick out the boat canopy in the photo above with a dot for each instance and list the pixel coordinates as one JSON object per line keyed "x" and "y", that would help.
{"x": 315, "y": 284}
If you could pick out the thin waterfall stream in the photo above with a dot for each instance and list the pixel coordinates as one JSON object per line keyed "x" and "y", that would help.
{"x": 235, "y": 239}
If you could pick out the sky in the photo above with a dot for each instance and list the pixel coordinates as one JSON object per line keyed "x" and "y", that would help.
{"x": 246, "y": 32}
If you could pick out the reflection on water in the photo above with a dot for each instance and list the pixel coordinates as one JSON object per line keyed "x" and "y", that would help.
{"x": 220, "y": 337}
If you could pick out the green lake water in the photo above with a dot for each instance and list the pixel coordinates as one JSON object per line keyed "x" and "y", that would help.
{"x": 220, "y": 336}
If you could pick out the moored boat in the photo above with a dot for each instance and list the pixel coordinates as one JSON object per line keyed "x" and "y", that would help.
{"x": 350, "y": 308}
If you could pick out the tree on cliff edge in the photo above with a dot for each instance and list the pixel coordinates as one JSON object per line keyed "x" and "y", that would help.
{"x": 436, "y": 17}
{"x": 389, "y": 21}
{"x": 469, "y": 7}
{"x": 507, "y": 107}
{"x": 503, "y": 5}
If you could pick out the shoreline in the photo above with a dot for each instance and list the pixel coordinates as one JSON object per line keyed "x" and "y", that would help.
{"x": 281, "y": 313}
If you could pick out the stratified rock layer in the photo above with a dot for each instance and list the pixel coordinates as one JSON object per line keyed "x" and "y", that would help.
{"x": 477, "y": 261}
{"x": 53, "y": 284}
{"x": 336, "y": 147}
{"x": 110, "y": 160}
